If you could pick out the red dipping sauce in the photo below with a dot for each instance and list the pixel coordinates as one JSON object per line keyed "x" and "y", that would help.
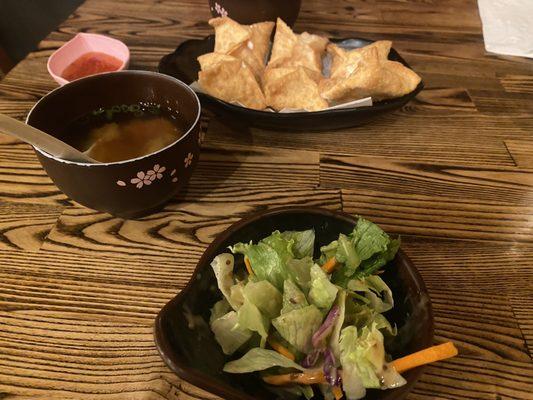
{"x": 91, "y": 63}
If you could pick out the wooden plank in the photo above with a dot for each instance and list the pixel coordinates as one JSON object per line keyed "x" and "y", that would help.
{"x": 504, "y": 186}
{"x": 447, "y": 98}
{"x": 475, "y": 378}
{"x": 22, "y": 178}
{"x": 481, "y": 325}
{"x": 502, "y": 103}
{"x": 21, "y": 292}
{"x": 181, "y": 230}
{"x": 25, "y": 226}
{"x": 246, "y": 164}
{"x": 517, "y": 83}
{"x": 444, "y": 217}
{"x": 523, "y": 312}
{"x": 69, "y": 355}
{"x": 443, "y": 79}
{"x": 165, "y": 273}
{"x": 455, "y": 13}
{"x": 405, "y": 135}
{"x": 521, "y": 151}
{"x": 460, "y": 266}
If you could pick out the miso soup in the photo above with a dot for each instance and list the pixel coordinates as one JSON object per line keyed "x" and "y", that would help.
{"x": 125, "y": 132}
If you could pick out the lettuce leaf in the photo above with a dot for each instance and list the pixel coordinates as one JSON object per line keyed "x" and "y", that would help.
{"x": 293, "y": 297}
{"x": 369, "y": 239}
{"x": 347, "y": 254}
{"x": 228, "y": 333}
{"x": 237, "y": 294}
{"x": 362, "y": 356}
{"x": 336, "y": 332}
{"x": 304, "y": 242}
{"x": 249, "y": 317}
{"x": 322, "y": 292}
{"x": 220, "y": 308}
{"x": 266, "y": 297}
{"x": 328, "y": 251}
{"x": 297, "y": 326}
{"x": 282, "y": 246}
{"x": 372, "y": 246}
{"x": 362, "y": 315}
{"x": 391, "y": 379}
{"x": 258, "y": 359}
{"x": 268, "y": 258}
{"x": 300, "y": 272}
{"x": 375, "y": 290}
{"x": 374, "y": 263}
{"x": 304, "y": 390}
{"x": 223, "y": 268}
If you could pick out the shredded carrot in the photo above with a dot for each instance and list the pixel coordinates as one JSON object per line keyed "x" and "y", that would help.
{"x": 337, "y": 392}
{"x": 426, "y": 356}
{"x": 329, "y": 265}
{"x": 280, "y": 348}
{"x": 304, "y": 378}
{"x": 311, "y": 377}
{"x": 248, "y": 266}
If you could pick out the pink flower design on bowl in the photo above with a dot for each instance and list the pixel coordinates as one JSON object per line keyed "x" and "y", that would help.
{"x": 188, "y": 160}
{"x": 147, "y": 178}
{"x": 220, "y": 10}
{"x": 141, "y": 179}
{"x": 156, "y": 172}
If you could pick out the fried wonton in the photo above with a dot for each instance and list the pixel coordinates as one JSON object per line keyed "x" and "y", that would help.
{"x": 292, "y": 88}
{"x": 344, "y": 62}
{"x": 370, "y": 76}
{"x": 230, "y": 79}
{"x": 229, "y": 34}
{"x": 249, "y": 43}
{"x": 293, "y": 50}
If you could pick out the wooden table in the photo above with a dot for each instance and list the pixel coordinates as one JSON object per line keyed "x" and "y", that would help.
{"x": 452, "y": 172}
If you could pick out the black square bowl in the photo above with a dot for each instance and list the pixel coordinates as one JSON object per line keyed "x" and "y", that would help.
{"x": 188, "y": 346}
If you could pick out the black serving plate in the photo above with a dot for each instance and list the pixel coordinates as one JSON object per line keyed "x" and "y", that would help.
{"x": 183, "y": 64}
{"x": 187, "y": 345}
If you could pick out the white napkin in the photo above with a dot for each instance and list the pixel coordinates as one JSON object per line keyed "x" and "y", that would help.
{"x": 508, "y": 26}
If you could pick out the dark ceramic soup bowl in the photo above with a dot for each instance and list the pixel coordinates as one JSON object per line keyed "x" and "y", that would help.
{"x": 249, "y": 12}
{"x": 129, "y": 188}
{"x": 188, "y": 346}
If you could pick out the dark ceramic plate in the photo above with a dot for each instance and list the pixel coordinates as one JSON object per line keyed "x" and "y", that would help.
{"x": 187, "y": 345}
{"x": 182, "y": 64}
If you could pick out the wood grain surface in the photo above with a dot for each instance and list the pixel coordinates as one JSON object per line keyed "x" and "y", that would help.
{"x": 452, "y": 172}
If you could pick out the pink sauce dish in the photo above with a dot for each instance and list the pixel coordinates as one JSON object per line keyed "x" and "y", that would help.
{"x": 87, "y": 54}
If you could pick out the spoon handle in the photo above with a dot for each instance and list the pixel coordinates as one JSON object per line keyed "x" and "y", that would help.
{"x": 42, "y": 140}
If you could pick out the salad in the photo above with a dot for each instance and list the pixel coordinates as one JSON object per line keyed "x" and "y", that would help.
{"x": 308, "y": 323}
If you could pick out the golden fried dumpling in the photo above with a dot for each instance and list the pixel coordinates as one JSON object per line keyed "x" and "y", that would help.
{"x": 369, "y": 76}
{"x": 260, "y": 39}
{"x": 293, "y": 50}
{"x": 249, "y": 43}
{"x": 230, "y": 79}
{"x": 292, "y": 88}
{"x": 229, "y": 34}
{"x": 344, "y": 62}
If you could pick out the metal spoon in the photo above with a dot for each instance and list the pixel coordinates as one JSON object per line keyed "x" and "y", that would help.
{"x": 42, "y": 140}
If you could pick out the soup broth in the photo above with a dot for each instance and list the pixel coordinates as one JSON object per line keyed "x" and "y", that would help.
{"x": 125, "y": 132}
